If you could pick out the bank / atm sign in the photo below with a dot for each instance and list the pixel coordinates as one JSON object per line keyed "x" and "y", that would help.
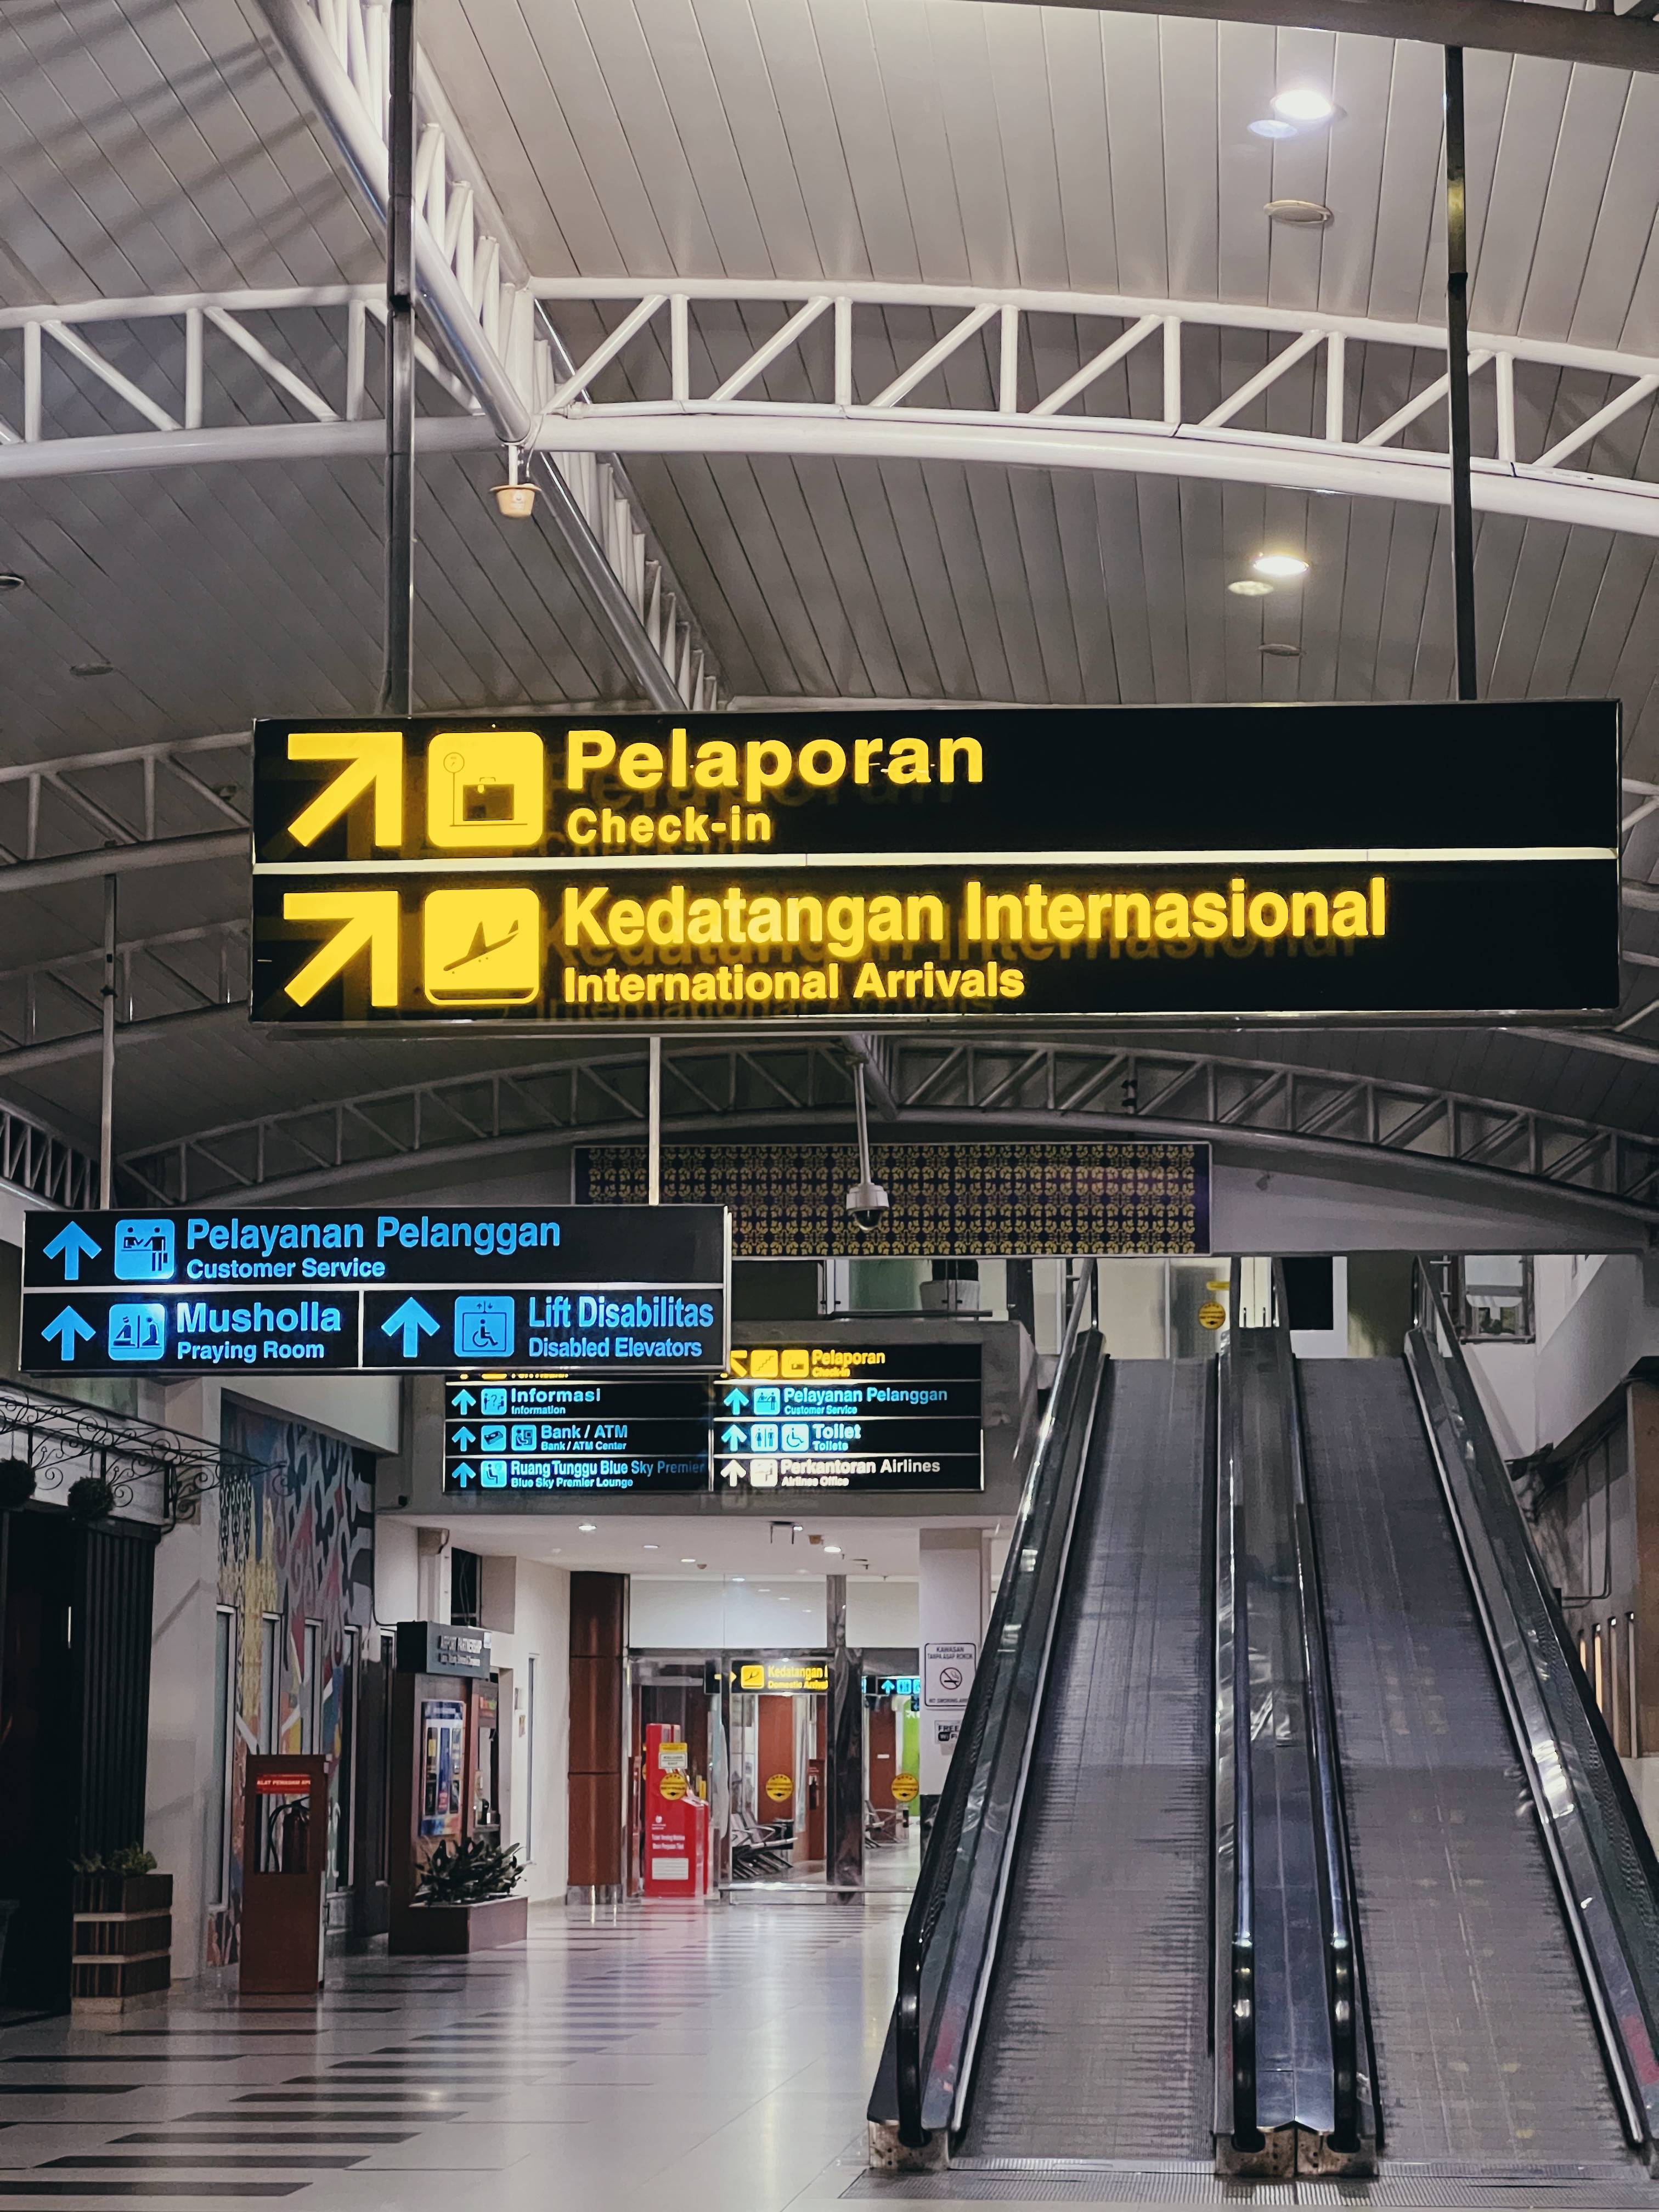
{"x": 593, "y": 1290}
{"x": 960, "y": 866}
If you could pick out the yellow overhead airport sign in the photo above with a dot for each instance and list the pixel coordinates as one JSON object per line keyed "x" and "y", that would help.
{"x": 954, "y": 867}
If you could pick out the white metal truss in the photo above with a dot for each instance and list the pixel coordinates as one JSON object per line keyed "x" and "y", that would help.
{"x": 36, "y": 1159}
{"x": 785, "y": 1085}
{"x": 826, "y": 381}
{"x": 838, "y": 388}
{"x": 475, "y": 287}
{"x": 180, "y": 971}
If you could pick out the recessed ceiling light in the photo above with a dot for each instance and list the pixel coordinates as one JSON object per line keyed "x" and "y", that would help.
{"x": 833, "y": 1551}
{"x": 650, "y": 1547}
{"x": 762, "y": 1589}
{"x": 1302, "y": 104}
{"x": 1269, "y": 126}
{"x": 1313, "y": 212}
{"x": 91, "y": 668}
{"x": 10, "y": 583}
{"x": 586, "y": 1528}
{"x": 737, "y": 1578}
{"x": 557, "y": 1553}
{"x": 1250, "y": 587}
{"x": 1286, "y": 565}
{"x": 1276, "y": 651}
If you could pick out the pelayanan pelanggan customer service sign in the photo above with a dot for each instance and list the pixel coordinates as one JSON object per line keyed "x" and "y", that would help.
{"x": 939, "y": 865}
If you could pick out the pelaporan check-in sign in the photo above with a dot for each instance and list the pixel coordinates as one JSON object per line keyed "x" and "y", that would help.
{"x": 958, "y": 866}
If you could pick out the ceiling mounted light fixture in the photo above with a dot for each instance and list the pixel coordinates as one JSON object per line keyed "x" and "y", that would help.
{"x": 688, "y": 1563}
{"x": 1274, "y": 651}
{"x": 586, "y": 1528}
{"x": 1284, "y": 566}
{"x": 1250, "y": 587}
{"x": 1302, "y": 104}
{"x": 10, "y": 583}
{"x": 515, "y": 499}
{"x": 1312, "y": 213}
{"x": 1269, "y": 126}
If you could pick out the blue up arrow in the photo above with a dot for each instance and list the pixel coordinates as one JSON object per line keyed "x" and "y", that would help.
{"x": 465, "y": 1401}
{"x": 72, "y": 1244}
{"x": 736, "y": 1401}
{"x": 464, "y": 1475}
{"x": 411, "y": 1322}
{"x": 68, "y": 1328}
{"x": 734, "y": 1438}
{"x": 462, "y": 1439}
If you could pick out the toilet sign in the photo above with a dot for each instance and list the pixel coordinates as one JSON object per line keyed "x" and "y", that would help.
{"x": 947, "y": 1673}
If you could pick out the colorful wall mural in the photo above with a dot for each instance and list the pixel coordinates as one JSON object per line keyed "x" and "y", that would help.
{"x": 296, "y": 1550}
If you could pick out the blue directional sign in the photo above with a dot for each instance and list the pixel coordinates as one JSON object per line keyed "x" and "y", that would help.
{"x": 618, "y": 1289}
{"x": 548, "y": 1436}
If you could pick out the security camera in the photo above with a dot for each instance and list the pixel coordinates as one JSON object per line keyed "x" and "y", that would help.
{"x": 866, "y": 1202}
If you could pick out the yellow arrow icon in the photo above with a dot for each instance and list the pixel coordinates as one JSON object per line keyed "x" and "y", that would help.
{"x": 371, "y": 919}
{"x": 376, "y": 757}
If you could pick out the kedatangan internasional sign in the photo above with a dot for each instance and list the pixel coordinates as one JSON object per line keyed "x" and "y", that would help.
{"x": 963, "y": 867}
{"x": 594, "y": 1289}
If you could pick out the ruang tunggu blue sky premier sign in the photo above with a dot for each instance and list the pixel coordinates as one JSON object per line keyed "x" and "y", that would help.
{"x": 979, "y": 867}
{"x": 596, "y": 1290}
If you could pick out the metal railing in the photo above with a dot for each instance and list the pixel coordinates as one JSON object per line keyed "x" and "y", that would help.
{"x": 1597, "y": 1846}
{"x": 950, "y": 1935}
{"x": 1234, "y": 1822}
{"x": 1354, "y": 2133}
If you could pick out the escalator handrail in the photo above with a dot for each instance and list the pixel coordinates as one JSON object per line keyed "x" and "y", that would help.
{"x": 979, "y": 1797}
{"x": 1353, "y": 2105}
{"x": 1603, "y": 1866}
{"x": 1236, "y": 2069}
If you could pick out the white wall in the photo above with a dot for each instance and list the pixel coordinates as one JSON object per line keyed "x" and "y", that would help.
{"x": 182, "y": 1752}
{"x": 670, "y": 1614}
{"x": 883, "y": 1614}
{"x": 542, "y": 1627}
{"x": 397, "y": 1571}
{"x": 1594, "y": 1322}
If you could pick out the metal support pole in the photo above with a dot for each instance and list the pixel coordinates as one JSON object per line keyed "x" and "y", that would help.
{"x": 653, "y": 1127}
{"x": 843, "y": 1794}
{"x": 1457, "y": 372}
{"x": 106, "y": 1105}
{"x": 396, "y": 683}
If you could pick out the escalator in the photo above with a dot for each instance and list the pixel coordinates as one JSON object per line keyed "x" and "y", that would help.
{"x": 1095, "y": 2041}
{"x": 1281, "y": 1836}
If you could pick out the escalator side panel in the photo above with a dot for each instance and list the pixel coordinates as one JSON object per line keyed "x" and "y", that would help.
{"x": 1486, "y": 2052}
{"x": 1095, "y": 2039}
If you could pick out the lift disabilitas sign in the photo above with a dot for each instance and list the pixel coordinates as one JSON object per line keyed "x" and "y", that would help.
{"x": 963, "y": 866}
{"x": 592, "y": 1290}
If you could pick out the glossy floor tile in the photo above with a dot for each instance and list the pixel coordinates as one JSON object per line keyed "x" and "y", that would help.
{"x": 656, "y": 2058}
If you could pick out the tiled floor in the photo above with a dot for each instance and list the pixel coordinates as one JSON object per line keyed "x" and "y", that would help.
{"x": 666, "y": 2056}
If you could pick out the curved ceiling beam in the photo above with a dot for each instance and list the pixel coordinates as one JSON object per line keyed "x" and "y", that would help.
{"x": 836, "y": 358}
{"x": 1405, "y": 1170}
{"x": 859, "y": 408}
{"x": 1112, "y": 1088}
{"x": 1605, "y": 40}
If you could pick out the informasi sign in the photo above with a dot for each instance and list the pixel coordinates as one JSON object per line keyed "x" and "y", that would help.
{"x": 962, "y": 867}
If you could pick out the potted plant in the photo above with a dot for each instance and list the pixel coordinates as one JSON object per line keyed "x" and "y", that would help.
{"x": 464, "y": 1899}
{"x": 122, "y": 1952}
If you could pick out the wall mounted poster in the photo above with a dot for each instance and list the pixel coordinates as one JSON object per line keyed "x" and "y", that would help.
{"x": 442, "y": 1736}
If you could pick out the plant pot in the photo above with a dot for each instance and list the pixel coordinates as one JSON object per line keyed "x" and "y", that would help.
{"x": 442, "y": 1931}
{"x": 123, "y": 1954}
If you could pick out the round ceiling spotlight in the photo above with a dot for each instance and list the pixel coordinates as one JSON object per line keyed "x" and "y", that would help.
{"x": 586, "y": 1528}
{"x": 1250, "y": 587}
{"x": 1302, "y": 104}
{"x": 1313, "y": 213}
{"x": 10, "y": 583}
{"x": 1269, "y": 126}
{"x": 1281, "y": 567}
{"x": 1273, "y": 651}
